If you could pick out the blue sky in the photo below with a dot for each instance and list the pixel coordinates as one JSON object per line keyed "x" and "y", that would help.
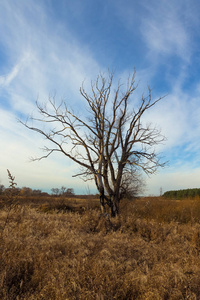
{"x": 50, "y": 46}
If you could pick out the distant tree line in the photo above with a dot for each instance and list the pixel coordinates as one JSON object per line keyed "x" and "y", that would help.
{"x": 27, "y": 192}
{"x": 24, "y": 191}
{"x": 181, "y": 194}
{"x": 63, "y": 191}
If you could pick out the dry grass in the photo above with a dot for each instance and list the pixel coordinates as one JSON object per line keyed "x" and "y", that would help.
{"x": 151, "y": 252}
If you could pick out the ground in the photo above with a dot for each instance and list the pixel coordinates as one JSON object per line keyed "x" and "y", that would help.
{"x": 65, "y": 249}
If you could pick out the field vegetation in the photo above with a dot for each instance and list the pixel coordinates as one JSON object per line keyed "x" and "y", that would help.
{"x": 54, "y": 248}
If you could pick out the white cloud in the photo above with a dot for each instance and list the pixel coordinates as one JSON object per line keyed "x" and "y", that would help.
{"x": 165, "y": 31}
{"x": 170, "y": 116}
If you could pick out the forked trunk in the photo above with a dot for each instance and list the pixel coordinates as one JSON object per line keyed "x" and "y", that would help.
{"x": 112, "y": 202}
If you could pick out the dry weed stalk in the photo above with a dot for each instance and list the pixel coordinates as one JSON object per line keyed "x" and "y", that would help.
{"x": 11, "y": 202}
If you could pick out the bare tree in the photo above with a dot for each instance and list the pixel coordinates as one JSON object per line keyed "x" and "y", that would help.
{"x": 70, "y": 192}
{"x": 62, "y": 190}
{"x": 109, "y": 142}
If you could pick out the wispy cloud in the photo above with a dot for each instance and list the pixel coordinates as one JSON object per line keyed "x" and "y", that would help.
{"x": 7, "y": 79}
{"x": 165, "y": 29}
{"x": 44, "y": 61}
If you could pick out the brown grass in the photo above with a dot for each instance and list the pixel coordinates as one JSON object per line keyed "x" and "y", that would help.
{"x": 150, "y": 252}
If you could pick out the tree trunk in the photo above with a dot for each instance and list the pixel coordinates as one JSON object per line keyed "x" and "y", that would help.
{"x": 114, "y": 206}
{"x": 102, "y": 200}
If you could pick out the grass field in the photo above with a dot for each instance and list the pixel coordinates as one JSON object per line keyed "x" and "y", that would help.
{"x": 65, "y": 249}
